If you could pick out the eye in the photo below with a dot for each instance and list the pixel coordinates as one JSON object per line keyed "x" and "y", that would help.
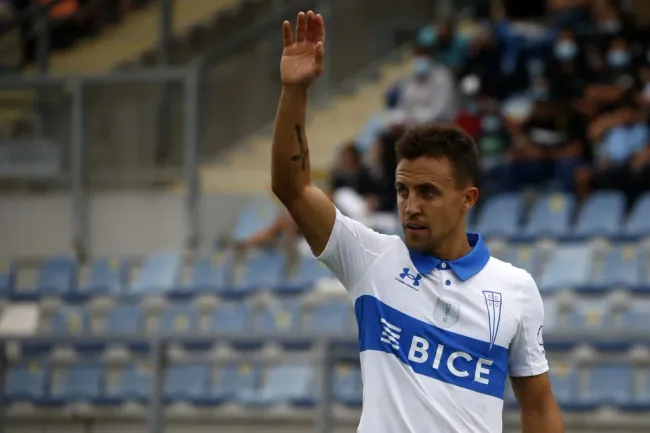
{"x": 401, "y": 191}
{"x": 428, "y": 192}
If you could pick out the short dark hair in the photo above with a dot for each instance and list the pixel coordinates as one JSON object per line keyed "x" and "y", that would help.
{"x": 443, "y": 140}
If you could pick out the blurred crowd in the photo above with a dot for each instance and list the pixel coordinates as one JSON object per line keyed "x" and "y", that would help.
{"x": 69, "y": 21}
{"x": 556, "y": 103}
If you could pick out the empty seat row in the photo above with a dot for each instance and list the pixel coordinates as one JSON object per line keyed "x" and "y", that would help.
{"x": 558, "y": 216}
{"x": 161, "y": 274}
{"x": 197, "y": 383}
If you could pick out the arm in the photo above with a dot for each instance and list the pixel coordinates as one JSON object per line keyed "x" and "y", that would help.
{"x": 529, "y": 368}
{"x": 302, "y": 62}
{"x": 539, "y": 410}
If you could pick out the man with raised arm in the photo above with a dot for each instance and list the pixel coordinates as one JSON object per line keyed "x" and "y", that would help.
{"x": 442, "y": 324}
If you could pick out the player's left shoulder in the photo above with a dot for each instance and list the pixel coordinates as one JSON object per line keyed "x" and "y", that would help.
{"x": 509, "y": 277}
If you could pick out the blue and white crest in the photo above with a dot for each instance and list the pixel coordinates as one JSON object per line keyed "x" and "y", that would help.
{"x": 493, "y": 302}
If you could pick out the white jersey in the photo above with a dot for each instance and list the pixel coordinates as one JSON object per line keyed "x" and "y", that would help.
{"x": 437, "y": 340}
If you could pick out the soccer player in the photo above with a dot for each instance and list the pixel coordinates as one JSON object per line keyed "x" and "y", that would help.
{"x": 442, "y": 324}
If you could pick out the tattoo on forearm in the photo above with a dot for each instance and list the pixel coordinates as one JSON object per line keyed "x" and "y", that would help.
{"x": 304, "y": 152}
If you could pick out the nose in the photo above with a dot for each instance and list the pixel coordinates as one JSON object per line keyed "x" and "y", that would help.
{"x": 412, "y": 206}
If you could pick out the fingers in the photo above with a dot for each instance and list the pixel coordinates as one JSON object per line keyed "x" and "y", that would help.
{"x": 319, "y": 26}
{"x": 301, "y": 27}
{"x": 287, "y": 34}
{"x": 320, "y": 53}
{"x": 311, "y": 26}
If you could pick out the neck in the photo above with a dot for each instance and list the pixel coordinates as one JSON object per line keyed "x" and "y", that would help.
{"x": 454, "y": 246}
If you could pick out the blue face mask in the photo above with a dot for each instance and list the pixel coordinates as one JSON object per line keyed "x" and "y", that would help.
{"x": 421, "y": 66}
{"x": 490, "y": 123}
{"x": 566, "y": 50}
{"x": 618, "y": 58}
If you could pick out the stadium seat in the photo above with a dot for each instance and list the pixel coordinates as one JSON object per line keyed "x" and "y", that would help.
{"x": 212, "y": 274}
{"x": 230, "y": 317}
{"x": 641, "y": 398}
{"x": 69, "y": 320}
{"x": 232, "y": 381}
{"x": 56, "y": 277}
{"x": 569, "y": 267}
{"x": 525, "y": 256}
{"x": 551, "y": 314}
{"x": 179, "y": 319}
{"x": 550, "y": 217}
{"x": 592, "y": 314}
{"x": 564, "y": 381}
{"x": 608, "y": 385}
{"x": 280, "y": 316}
{"x": 293, "y": 384}
{"x": 80, "y": 382}
{"x": 637, "y": 315}
{"x": 307, "y": 275}
{"x": 6, "y": 279}
{"x": 347, "y": 385}
{"x": 331, "y": 317}
{"x": 601, "y": 215}
{"x": 159, "y": 274}
{"x": 26, "y": 382}
{"x": 132, "y": 383}
{"x": 108, "y": 276}
{"x": 500, "y": 216}
{"x": 263, "y": 270}
{"x": 260, "y": 213}
{"x": 638, "y": 223}
{"x": 186, "y": 383}
{"x": 124, "y": 320}
{"x": 621, "y": 268}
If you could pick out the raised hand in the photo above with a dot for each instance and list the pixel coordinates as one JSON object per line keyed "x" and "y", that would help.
{"x": 302, "y": 57}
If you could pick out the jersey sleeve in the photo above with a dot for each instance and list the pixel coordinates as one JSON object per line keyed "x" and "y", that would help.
{"x": 527, "y": 354}
{"x": 351, "y": 250}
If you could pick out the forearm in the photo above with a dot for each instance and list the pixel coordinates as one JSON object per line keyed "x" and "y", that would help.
{"x": 545, "y": 418}
{"x": 290, "y": 170}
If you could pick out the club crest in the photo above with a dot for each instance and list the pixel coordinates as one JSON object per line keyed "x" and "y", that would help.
{"x": 446, "y": 313}
{"x": 493, "y": 301}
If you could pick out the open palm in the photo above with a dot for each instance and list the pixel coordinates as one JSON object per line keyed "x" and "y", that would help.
{"x": 302, "y": 57}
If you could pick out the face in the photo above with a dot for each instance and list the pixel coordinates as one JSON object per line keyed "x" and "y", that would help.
{"x": 432, "y": 206}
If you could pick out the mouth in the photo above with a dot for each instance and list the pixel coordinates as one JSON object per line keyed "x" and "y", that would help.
{"x": 414, "y": 227}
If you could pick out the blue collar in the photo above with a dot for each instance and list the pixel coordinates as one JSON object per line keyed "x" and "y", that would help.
{"x": 465, "y": 267}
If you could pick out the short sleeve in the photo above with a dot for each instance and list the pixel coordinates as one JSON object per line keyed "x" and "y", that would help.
{"x": 527, "y": 354}
{"x": 352, "y": 249}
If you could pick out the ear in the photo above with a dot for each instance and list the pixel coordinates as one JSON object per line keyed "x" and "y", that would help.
{"x": 471, "y": 196}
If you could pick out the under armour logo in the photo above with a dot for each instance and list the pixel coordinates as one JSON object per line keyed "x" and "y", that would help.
{"x": 415, "y": 278}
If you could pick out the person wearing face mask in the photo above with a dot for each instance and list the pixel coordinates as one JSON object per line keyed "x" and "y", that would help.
{"x": 446, "y": 44}
{"x": 429, "y": 95}
{"x": 566, "y": 71}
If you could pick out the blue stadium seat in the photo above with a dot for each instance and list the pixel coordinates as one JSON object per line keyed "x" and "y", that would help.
{"x": 638, "y": 223}
{"x": 564, "y": 381}
{"x": 281, "y": 316}
{"x": 80, "y": 382}
{"x": 70, "y": 320}
{"x": 641, "y": 398}
{"x": 107, "y": 276}
{"x": 608, "y": 384}
{"x": 601, "y": 215}
{"x": 26, "y": 382}
{"x": 56, "y": 277}
{"x": 525, "y": 256}
{"x": 347, "y": 386}
{"x": 232, "y": 381}
{"x": 500, "y": 216}
{"x": 637, "y": 316}
{"x": 259, "y": 214}
{"x": 263, "y": 270}
{"x": 230, "y": 317}
{"x": 331, "y": 317}
{"x": 550, "y": 217}
{"x": 621, "y": 269}
{"x": 124, "y": 320}
{"x": 179, "y": 319}
{"x": 212, "y": 274}
{"x": 551, "y": 313}
{"x": 187, "y": 383}
{"x": 160, "y": 274}
{"x": 308, "y": 273}
{"x": 293, "y": 384}
{"x": 568, "y": 267}
{"x": 132, "y": 383}
{"x": 6, "y": 279}
{"x": 590, "y": 314}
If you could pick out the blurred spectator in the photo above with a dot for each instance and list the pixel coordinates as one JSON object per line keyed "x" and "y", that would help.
{"x": 567, "y": 69}
{"x": 569, "y": 13}
{"x": 11, "y": 49}
{"x": 429, "y": 95}
{"x": 445, "y": 44}
{"x": 484, "y": 63}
